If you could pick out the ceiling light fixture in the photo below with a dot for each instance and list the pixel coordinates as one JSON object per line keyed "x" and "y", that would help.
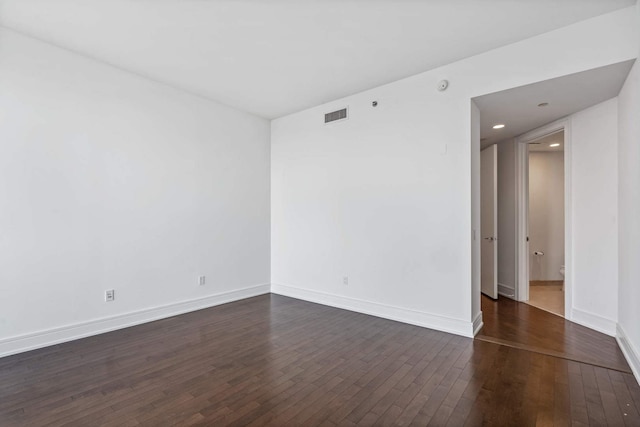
{"x": 543, "y": 104}
{"x": 498, "y": 126}
{"x": 554, "y": 145}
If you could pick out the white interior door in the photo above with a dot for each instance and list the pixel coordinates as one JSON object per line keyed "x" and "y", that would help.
{"x": 489, "y": 221}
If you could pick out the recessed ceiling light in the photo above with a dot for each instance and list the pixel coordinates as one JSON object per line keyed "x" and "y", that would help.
{"x": 543, "y": 104}
{"x": 498, "y": 126}
{"x": 554, "y": 145}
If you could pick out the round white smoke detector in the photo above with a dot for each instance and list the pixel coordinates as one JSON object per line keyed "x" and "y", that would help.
{"x": 443, "y": 85}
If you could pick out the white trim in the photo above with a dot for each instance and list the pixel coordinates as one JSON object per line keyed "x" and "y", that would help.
{"x": 593, "y": 321}
{"x": 567, "y": 285}
{"x": 477, "y": 324}
{"x": 506, "y": 291}
{"x": 522, "y": 259}
{"x": 631, "y": 353}
{"x": 522, "y": 253}
{"x": 62, "y": 334}
{"x": 413, "y": 317}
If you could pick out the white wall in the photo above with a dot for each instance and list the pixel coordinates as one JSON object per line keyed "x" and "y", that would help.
{"x": 546, "y": 214}
{"x": 385, "y": 197}
{"x": 594, "y": 171}
{"x": 629, "y": 212}
{"x": 507, "y": 231}
{"x": 108, "y": 180}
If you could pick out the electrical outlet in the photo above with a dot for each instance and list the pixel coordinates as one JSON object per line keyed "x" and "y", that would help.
{"x": 109, "y": 295}
{"x": 345, "y": 280}
{"x": 201, "y": 280}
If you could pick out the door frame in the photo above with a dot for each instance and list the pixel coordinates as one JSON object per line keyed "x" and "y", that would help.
{"x": 522, "y": 209}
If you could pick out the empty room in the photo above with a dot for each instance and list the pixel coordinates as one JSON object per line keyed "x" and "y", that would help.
{"x": 319, "y": 213}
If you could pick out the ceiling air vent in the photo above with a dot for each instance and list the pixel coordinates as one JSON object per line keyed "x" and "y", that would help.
{"x": 335, "y": 115}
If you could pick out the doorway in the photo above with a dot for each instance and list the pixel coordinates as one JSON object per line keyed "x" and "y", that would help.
{"x": 543, "y": 173}
{"x": 546, "y": 222}
{"x": 513, "y": 118}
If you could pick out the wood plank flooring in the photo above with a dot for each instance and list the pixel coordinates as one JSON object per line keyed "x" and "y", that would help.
{"x": 272, "y": 360}
{"x": 509, "y": 322}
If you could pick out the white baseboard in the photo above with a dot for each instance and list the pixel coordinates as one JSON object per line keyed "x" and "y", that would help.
{"x": 413, "y": 317}
{"x": 53, "y": 336}
{"x": 506, "y": 291}
{"x": 477, "y": 324}
{"x": 631, "y": 353}
{"x": 593, "y": 321}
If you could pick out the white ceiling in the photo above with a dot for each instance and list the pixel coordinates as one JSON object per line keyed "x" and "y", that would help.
{"x": 274, "y": 57}
{"x": 518, "y": 109}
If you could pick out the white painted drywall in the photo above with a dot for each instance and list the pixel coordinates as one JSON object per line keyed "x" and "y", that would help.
{"x": 594, "y": 195}
{"x": 111, "y": 181}
{"x": 385, "y": 197}
{"x": 629, "y": 212}
{"x": 507, "y": 231}
{"x": 546, "y": 214}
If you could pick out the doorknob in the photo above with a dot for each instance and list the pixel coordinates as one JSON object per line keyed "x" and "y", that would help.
{"x": 491, "y": 239}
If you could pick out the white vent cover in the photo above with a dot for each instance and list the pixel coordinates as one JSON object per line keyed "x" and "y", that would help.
{"x": 335, "y": 115}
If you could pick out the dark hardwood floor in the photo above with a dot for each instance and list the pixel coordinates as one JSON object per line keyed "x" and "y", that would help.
{"x": 523, "y": 326}
{"x": 279, "y": 361}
